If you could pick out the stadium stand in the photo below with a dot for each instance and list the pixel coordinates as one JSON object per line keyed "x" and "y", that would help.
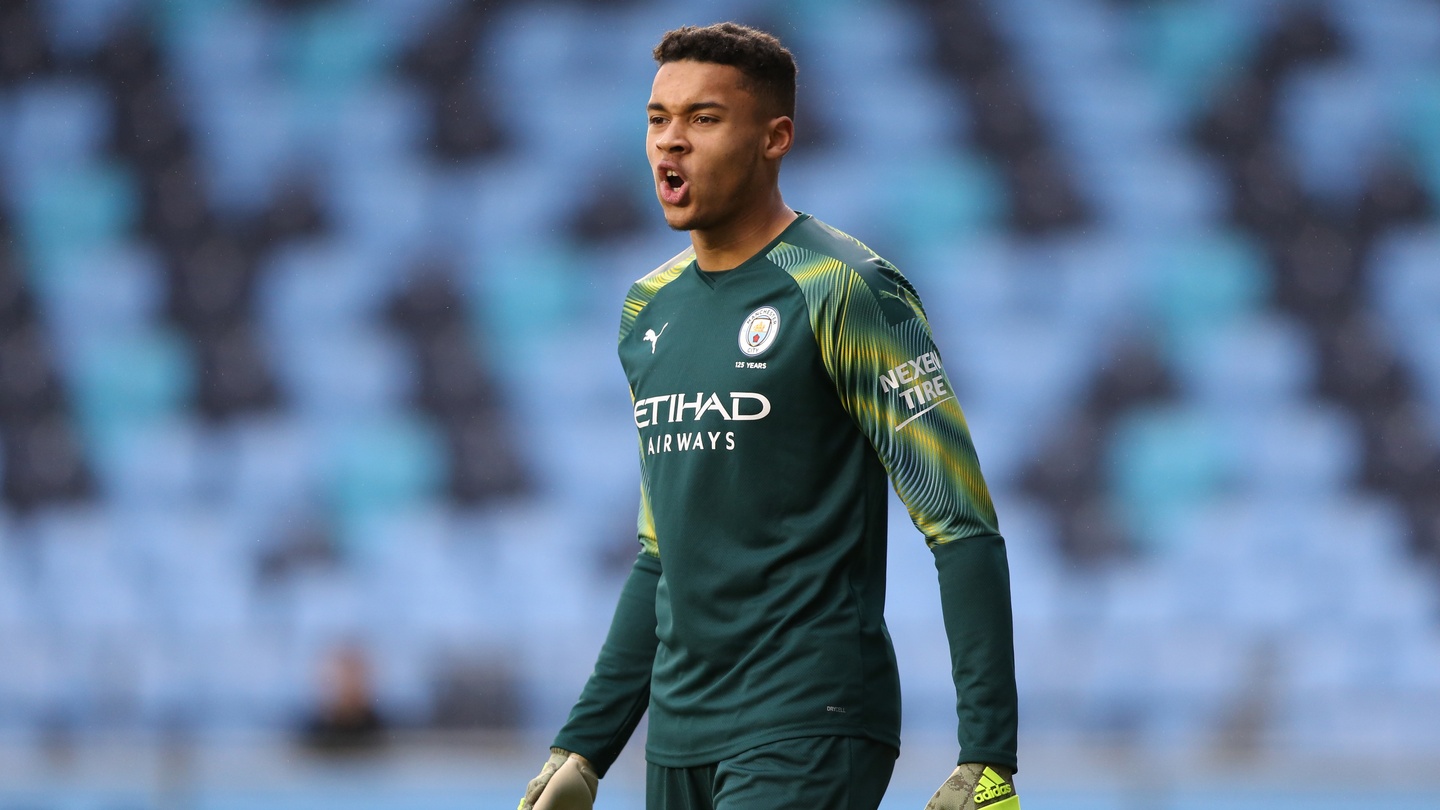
{"x": 306, "y": 340}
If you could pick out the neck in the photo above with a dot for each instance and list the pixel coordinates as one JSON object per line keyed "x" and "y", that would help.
{"x": 728, "y": 246}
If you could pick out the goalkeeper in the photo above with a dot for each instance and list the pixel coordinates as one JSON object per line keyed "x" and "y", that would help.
{"x": 780, "y": 371}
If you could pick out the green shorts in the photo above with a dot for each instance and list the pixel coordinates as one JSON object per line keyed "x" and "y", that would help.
{"x": 836, "y": 773}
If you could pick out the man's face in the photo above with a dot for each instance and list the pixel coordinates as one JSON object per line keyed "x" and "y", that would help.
{"x": 707, "y": 144}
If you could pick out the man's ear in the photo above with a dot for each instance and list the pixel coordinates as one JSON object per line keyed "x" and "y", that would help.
{"x": 779, "y": 137}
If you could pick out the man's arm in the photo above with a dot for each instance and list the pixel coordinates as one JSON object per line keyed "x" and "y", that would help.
{"x": 876, "y": 344}
{"x": 975, "y": 600}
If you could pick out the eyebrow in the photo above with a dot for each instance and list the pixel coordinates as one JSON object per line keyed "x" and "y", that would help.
{"x": 656, "y": 106}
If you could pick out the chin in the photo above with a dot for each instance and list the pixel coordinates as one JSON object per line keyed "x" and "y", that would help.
{"x": 680, "y": 219}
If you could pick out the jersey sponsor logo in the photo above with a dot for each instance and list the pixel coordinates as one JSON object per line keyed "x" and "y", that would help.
{"x": 653, "y": 338}
{"x": 919, "y": 383}
{"x": 759, "y": 331}
{"x": 737, "y": 406}
{"x": 689, "y": 440}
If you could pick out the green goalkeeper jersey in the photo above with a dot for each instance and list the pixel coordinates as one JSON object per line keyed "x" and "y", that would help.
{"x": 772, "y": 402}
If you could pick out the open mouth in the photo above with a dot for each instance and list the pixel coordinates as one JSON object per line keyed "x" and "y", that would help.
{"x": 673, "y": 188}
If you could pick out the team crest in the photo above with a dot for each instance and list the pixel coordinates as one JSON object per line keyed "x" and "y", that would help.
{"x": 759, "y": 331}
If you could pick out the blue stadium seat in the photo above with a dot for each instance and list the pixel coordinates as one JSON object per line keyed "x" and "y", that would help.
{"x": 1027, "y": 363}
{"x": 384, "y": 208}
{"x": 408, "y": 558}
{"x": 104, "y": 295}
{"x": 33, "y": 688}
{"x": 88, "y": 580}
{"x": 1423, "y": 348}
{"x": 251, "y": 141}
{"x": 1256, "y": 360}
{"x": 1146, "y": 596}
{"x": 940, "y": 199}
{"x": 1406, "y": 289}
{"x": 74, "y": 210}
{"x": 51, "y": 126}
{"x": 1333, "y": 120}
{"x": 1293, "y": 449}
{"x": 380, "y": 464}
{"x": 1418, "y": 663}
{"x": 162, "y": 461}
{"x": 224, "y": 47}
{"x": 326, "y": 608}
{"x": 132, "y": 380}
{"x": 346, "y": 372}
{"x": 383, "y": 123}
{"x": 1389, "y": 34}
{"x": 863, "y": 118}
{"x": 1147, "y": 190}
{"x": 836, "y": 32}
{"x": 404, "y": 680}
{"x": 806, "y": 182}
{"x": 1188, "y": 47}
{"x": 1205, "y": 281}
{"x": 1405, "y": 285}
{"x": 199, "y": 569}
{"x": 329, "y": 52}
{"x": 269, "y": 465}
{"x": 319, "y": 286}
{"x": 1056, "y": 36}
{"x": 77, "y": 27}
{"x": 251, "y": 681}
{"x": 1200, "y": 664}
{"x": 403, "y": 21}
{"x": 1420, "y": 120}
{"x": 1106, "y": 111}
{"x": 1165, "y": 460}
{"x": 540, "y": 281}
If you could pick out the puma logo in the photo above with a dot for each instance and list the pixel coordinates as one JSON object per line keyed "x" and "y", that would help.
{"x": 653, "y": 337}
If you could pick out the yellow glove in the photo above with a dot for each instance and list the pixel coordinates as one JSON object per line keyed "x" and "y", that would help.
{"x": 973, "y": 786}
{"x": 567, "y": 782}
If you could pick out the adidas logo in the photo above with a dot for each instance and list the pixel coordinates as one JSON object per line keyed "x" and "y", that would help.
{"x": 991, "y": 788}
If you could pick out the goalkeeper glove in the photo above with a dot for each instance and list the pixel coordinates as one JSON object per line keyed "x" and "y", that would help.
{"x": 973, "y": 786}
{"x": 567, "y": 782}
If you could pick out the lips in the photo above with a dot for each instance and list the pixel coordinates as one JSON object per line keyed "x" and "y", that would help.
{"x": 671, "y": 185}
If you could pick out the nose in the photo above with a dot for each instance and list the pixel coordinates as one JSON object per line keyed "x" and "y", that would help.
{"x": 671, "y": 140}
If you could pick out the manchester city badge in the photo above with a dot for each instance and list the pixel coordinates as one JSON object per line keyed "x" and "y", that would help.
{"x": 759, "y": 331}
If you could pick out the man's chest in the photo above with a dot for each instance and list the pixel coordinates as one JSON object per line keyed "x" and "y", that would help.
{"x": 737, "y": 357}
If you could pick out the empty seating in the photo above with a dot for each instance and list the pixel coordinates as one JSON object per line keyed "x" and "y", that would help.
{"x": 394, "y": 227}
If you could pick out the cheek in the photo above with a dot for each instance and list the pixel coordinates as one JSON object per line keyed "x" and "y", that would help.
{"x": 731, "y": 166}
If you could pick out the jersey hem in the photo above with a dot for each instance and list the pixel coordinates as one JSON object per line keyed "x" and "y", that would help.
{"x": 692, "y": 759}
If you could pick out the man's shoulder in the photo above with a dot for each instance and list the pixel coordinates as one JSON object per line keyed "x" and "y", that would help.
{"x": 826, "y": 240}
{"x": 666, "y": 272}
{"x": 822, "y": 259}
{"x": 644, "y": 289}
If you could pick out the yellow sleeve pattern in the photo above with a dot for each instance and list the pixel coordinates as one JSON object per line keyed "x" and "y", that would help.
{"x": 875, "y": 342}
{"x": 641, "y": 292}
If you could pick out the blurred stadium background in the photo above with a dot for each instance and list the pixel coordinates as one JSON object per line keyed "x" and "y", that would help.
{"x": 318, "y": 474}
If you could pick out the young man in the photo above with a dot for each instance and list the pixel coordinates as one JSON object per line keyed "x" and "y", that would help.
{"x": 780, "y": 370}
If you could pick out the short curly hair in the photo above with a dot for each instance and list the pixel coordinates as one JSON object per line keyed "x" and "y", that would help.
{"x": 769, "y": 68}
